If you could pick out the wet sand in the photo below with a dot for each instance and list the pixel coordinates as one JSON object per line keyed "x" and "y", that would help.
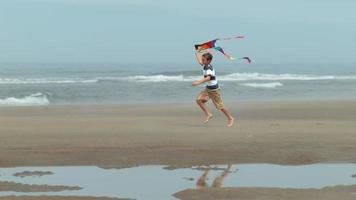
{"x": 32, "y": 173}
{"x": 118, "y": 136}
{"x": 329, "y": 193}
{"x": 18, "y": 187}
{"x": 56, "y": 198}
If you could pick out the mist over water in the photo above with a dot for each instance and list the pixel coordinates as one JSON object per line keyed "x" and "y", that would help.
{"x": 56, "y": 83}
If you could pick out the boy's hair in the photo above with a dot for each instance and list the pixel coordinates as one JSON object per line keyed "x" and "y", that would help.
{"x": 208, "y": 56}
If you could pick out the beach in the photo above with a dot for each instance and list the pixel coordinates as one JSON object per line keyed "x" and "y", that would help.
{"x": 120, "y": 136}
{"x": 104, "y": 100}
{"x": 332, "y": 193}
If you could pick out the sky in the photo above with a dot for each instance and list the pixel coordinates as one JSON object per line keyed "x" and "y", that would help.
{"x": 164, "y": 31}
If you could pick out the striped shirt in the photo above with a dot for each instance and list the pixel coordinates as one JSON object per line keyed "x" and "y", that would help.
{"x": 208, "y": 70}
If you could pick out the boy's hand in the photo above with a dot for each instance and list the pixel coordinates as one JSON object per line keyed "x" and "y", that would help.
{"x": 195, "y": 83}
{"x": 199, "y": 49}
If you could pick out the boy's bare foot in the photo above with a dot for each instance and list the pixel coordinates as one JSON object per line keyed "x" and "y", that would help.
{"x": 231, "y": 122}
{"x": 208, "y": 117}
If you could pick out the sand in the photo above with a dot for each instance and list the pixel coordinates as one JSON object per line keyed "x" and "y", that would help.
{"x": 118, "y": 136}
{"x": 18, "y": 187}
{"x": 329, "y": 193}
{"x": 32, "y": 173}
{"x": 56, "y": 198}
{"x": 115, "y": 136}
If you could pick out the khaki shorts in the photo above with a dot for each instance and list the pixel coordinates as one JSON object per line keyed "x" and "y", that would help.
{"x": 214, "y": 95}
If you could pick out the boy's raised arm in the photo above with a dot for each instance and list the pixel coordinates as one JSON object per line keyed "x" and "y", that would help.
{"x": 198, "y": 56}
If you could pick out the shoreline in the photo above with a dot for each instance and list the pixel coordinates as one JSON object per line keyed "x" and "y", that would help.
{"x": 185, "y": 102}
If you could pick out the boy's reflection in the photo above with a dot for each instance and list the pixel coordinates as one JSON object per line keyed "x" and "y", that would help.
{"x": 218, "y": 181}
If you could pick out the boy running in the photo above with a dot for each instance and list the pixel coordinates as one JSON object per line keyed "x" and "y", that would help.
{"x": 212, "y": 90}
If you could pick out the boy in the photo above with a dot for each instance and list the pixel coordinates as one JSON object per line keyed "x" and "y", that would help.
{"x": 212, "y": 90}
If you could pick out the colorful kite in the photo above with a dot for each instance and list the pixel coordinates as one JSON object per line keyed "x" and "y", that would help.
{"x": 211, "y": 45}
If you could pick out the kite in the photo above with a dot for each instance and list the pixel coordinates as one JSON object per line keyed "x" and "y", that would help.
{"x": 211, "y": 45}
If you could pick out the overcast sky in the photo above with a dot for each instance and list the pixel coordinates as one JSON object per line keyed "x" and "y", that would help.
{"x": 153, "y": 31}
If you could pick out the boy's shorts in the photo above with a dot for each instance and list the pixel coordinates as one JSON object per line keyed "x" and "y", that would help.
{"x": 214, "y": 95}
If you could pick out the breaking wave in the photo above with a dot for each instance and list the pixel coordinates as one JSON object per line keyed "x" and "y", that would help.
{"x": 37, "y": 99}
{"x": 240, "y": 77}
{"x": 176, "y": 78}
{"x": 263, "y": 85}
{"x": 45, "y": 80}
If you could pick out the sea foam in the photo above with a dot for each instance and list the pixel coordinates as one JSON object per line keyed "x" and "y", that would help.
{"x": 37, "y": 99}
{"x": 240, "y": 77}
{"x": 45, "y": 80}
{"x": 263, "y": 85}
{"x": 177, "y": 78}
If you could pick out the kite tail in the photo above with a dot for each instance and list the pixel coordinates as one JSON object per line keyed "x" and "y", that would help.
{"x": 246, "y": 58}
{"x": 230, "y": 38}
{"x": 225, "y": 54}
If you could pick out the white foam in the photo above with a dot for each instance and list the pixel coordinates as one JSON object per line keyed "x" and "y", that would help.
{"x": 45, "y": 80}
{"x": 159, "y": 78}
{"x": 274, "y": 77}
{"x": 240, "y": 77}
{"x": 263, "y": 85}
{"x": 176, "y": 78}
{"x": 37, "y": 99}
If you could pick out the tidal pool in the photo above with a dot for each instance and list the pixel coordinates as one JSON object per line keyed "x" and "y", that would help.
{"x": 155, "y": 182}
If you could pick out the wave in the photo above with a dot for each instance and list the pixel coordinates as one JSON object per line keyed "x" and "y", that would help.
{"x": 45, "y": 80}
{"x": 160, "y": 78}
{"x": 263, "y": 85}
{"x": 276, "y": 77}
{"x": 37, "y": 99}
{"x": 169, "y": 78}
{"x": 240, "y": 77}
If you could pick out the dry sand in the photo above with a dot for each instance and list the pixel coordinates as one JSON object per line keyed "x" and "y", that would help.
{"x": 173, "y": 134}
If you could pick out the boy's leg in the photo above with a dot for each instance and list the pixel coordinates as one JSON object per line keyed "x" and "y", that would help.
{"x": 229, "y": 117}
{"x": 217, "y": 100}
{"x": 201, "y": 100}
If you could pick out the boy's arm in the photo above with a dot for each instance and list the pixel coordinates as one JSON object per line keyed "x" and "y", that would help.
{"x": 195, "y": 83}
{"x": 199, "y": 53}
{"x": 198, "y": 56}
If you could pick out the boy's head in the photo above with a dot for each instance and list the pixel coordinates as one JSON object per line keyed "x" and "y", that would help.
{"x": 207, "y": 58}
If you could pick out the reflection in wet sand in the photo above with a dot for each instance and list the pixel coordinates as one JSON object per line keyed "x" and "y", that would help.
{"x": 218, "y": 181}
{"x": 136, "y": 182}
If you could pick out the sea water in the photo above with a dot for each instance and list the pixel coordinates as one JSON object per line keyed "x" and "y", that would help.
{"x": 156, "y": 182}
{"x": 63, "y": 83}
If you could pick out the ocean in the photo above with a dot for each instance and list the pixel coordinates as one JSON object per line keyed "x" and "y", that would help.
{"x": 37, "y": 84}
